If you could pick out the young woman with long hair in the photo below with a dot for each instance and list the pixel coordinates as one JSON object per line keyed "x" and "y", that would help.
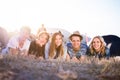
{"x": 57, "y": 48}
{"x": 98, "y": 48}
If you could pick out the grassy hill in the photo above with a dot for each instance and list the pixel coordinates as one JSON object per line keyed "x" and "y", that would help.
{"x": 17, "y": 67}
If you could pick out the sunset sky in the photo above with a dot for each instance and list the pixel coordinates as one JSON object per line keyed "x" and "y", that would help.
{"x": 91, "y": 17}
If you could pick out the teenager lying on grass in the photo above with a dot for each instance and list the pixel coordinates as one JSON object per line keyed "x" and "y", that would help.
{"x": 98, "y": 48}
{"x": 37, "y": 47}
{"x": 77, "y": 50}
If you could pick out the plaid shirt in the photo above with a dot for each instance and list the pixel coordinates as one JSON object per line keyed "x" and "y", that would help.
{"x": 78, "y": 54}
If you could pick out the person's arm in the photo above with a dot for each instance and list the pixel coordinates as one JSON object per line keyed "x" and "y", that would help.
{"x": 82, "y": 58}
{"x": 65, "y": 53}
{"x": 67, "y": 57}
{"x": 13, "y": 45}
{"x": 13, "y": 51}
{"x": 26, "y": 47}
{"x": 107, "y": 53}
{"x": 83, "y": 49}
{"x": 31, "y": 48}
{"x": 82, "y": 52}
{"x": 47, "y": 47}
{"x": 74, "y": 59}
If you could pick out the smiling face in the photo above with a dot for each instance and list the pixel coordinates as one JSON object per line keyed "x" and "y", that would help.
{"x": 96, "y": 44}
{"x": 76, "y": 41}
{"x": 58, "y": 40}
{"x": 43, "y": 38}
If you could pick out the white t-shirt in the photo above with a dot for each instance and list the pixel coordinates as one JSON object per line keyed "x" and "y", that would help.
{"x": 14, "y": 43}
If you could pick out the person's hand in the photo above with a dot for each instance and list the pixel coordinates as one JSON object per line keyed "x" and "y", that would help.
{"x": 67, "y": 57}
{"x": 83, "y": 58}
{"x": 13, "y": 51}
{"x": 32, "y": 56}
{"x": 23, "y": 53}
{"x": 75, "y": 59}
{"x": 41, "y": 58}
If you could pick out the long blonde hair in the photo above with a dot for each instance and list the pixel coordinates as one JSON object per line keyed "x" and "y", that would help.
{"x": 53, "y": 46}
{"x": 102, "y": 48}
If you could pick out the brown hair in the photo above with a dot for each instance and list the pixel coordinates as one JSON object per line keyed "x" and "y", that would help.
{"x": 53, "y": 46}
{"x": 102, "y": 48}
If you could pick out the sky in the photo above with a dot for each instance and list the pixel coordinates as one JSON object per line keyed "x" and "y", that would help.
{"x": 91, "y": 17}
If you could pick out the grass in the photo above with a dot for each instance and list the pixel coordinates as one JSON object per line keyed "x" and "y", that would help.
{"x": 17, "y": 67}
